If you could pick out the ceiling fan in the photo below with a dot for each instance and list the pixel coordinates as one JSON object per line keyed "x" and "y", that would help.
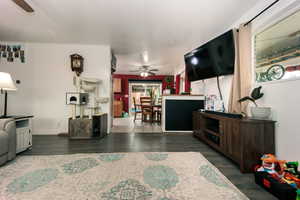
{"x": 24, "y": 5}
{"x": 145, "y": 70}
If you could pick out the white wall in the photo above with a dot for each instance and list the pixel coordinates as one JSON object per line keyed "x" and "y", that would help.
{"x": 209, "y": 87}
{"x": 282, "y": 96}
{"x": 46, "y": 77}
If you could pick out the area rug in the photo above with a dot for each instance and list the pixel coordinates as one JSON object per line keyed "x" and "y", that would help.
{"x": 115, "y": 176}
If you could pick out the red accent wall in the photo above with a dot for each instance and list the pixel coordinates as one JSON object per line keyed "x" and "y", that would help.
{"x": 187, "y": 84}
{"x": 125, "y": 85}
{"x": 177, "y": 88}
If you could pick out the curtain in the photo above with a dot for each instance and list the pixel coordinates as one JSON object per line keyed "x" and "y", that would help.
{"x": 242, "y": 78}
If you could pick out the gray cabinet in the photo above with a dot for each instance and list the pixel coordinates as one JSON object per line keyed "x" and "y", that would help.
{"x": 88, "y": 128}
{"x": 23, "y": 133}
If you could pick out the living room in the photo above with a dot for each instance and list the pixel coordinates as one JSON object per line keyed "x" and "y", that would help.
{"x": 59, "y": 62}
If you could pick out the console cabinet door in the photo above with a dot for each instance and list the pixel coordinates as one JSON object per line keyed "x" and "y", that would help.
{"x": 258, "y": 139}
{"x": 196, "y": 117}
{"x": 197, "y": 123}
{"x": 231, "y": 140}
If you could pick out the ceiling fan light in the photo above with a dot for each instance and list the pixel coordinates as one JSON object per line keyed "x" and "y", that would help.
{"x": 144, "y": 74}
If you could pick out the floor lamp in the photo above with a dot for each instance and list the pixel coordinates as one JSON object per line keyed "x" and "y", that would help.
{"x": 6, "y": 84}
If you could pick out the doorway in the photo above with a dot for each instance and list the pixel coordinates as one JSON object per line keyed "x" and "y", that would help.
{"x": 137, "y": 89}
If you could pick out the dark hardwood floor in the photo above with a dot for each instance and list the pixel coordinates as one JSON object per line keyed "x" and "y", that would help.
{"x": 149, "y": 142}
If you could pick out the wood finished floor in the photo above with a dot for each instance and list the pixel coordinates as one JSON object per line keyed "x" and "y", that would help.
{"x": 149, "y": 142}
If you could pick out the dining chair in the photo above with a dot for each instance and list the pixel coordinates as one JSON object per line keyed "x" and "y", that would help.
{"x": 159, "y": 101}
{"x": 137, "y": 109}
{"x": 157, "y": 110}
{"x": 146, "y": 105}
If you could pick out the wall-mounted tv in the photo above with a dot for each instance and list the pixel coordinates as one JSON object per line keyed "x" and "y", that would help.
{"x": 215, "y": 58}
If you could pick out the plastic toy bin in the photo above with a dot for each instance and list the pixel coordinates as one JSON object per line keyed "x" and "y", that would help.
{"x": 282, "y": 191}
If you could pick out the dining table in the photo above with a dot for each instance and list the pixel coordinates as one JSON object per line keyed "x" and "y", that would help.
{"x": 152, "y": 107}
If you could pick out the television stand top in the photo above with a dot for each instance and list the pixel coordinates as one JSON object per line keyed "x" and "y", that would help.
{"x": 225, "y": 114}
{"x": 16, "y": 117}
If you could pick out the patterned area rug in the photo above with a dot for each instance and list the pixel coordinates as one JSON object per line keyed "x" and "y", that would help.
{"x": 115, "y": 176}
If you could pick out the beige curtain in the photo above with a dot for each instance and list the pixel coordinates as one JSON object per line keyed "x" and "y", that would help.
{"x": 242, "y": 79}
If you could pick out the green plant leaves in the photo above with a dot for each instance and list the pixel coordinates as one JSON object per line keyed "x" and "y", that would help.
{"x": 256, "y": 94}
{"x": 246, "y": 99}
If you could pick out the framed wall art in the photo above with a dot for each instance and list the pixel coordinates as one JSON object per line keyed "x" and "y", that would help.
{"x": 277, "y": 51}
{"x": 12, "y": 53}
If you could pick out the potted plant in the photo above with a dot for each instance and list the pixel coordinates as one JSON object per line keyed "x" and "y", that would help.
{"x": 168, "y": 81}
{"x": 257, "y": 112}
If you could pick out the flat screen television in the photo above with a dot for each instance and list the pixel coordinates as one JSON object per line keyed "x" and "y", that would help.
{"x": 215, "y": 58}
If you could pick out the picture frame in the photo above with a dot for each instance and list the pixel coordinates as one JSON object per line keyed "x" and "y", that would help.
{"x": 12, "y": 52}
{"x": 277, "y": 51}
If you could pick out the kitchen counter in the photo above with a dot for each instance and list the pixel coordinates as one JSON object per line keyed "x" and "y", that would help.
{"x": 177, "y": 112}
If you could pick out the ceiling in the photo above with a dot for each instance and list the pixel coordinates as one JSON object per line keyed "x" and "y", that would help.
{"x": 155, "y": 32}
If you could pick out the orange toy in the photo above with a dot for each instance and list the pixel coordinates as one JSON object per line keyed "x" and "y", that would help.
{"x": 269, "y": 163}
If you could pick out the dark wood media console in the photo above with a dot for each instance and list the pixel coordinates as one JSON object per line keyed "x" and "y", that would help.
{"x": 242, "y": 140}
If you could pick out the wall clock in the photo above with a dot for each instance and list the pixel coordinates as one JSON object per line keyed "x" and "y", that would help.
{"x": 77, "y": 64}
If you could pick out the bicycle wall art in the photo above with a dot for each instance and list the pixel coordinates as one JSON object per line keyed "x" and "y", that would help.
{"x": 277, "y": 51}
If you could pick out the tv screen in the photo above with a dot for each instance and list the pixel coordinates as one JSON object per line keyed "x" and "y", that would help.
{"x": 215, "y": 58}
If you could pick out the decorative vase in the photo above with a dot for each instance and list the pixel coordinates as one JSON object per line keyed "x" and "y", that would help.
{"x": 167, "y": 91}
{"x": 260, "y": 112}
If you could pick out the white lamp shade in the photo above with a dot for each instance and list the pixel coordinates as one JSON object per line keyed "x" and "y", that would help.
{"x": 6, "y": 82}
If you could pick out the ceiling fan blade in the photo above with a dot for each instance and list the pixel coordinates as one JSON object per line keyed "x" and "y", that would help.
{"x": 145, "y": 66}
{"x": 25, "y": 6}
{"x": 151, "y": 73}
{"x": 135, "y": 70}
{"x": 154, "y": 70}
